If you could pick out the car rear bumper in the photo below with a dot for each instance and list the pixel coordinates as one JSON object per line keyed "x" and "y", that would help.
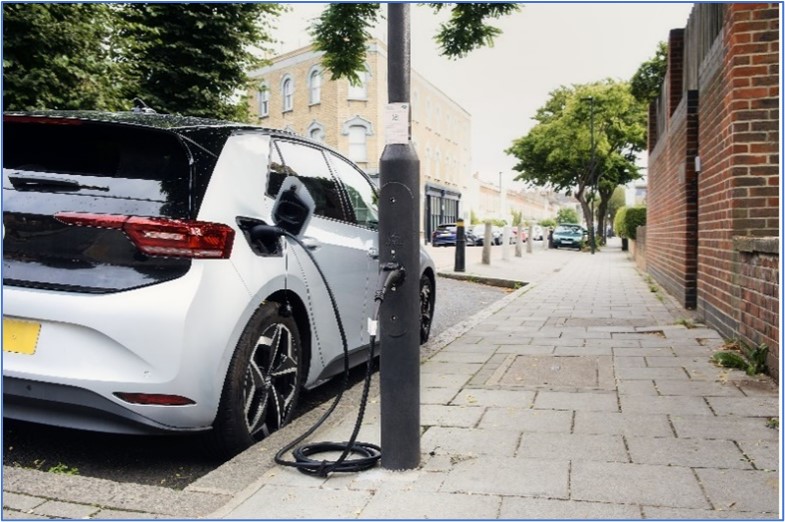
{"x": 173, "y": 339}
{"x": 72, "y": 407}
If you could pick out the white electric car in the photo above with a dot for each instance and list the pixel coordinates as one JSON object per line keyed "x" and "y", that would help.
{"x": 137, "y": 297}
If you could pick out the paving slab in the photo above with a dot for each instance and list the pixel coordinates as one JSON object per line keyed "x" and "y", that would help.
{"x": 668, "y": 405}
{"x": 470, "y": 441}
{"x": 527, "y": 420}
{"x": 601, "y": 447}
{"x": 741, "y": 490}
{"x": 290, "y": 502}
{"x": 745, "y": 406}
{"x": 636, "y": 484}
{"x": 543, "y": 508}
{"x": 419, "y": 505}
{"x": 627, "y": 424}
{"x": 577, "y": 401}
{"x": 509, "y": 476}
{"x": 670, "y": 451}
{"x": 728, "y": 428}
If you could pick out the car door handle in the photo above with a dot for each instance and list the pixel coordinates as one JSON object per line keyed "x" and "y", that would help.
{"x": 373, "y": 253}
{"x": 311, "y": 243}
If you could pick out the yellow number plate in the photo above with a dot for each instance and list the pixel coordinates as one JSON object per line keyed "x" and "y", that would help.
{"x": 20, "y": 336}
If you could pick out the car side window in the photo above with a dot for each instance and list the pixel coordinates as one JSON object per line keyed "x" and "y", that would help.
{"x": 310, "y": 166}
{"x": 363, "y": 198}
{"x": 277, "y": 172}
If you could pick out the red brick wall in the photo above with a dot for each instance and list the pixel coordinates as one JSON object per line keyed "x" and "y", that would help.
{"x": 758, "y": 278}
{"x": 693, "y": 242}
{"x": 671, "y": 205}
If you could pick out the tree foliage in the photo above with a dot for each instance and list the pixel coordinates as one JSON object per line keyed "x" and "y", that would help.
{"x": 186, "y": 58}
{"x": 557, "y": 152}
{"x": 341, "y": 32}
{"x": 193, "y": 58}
{"x": 647, "y": 81}
{"x": 343, "y": 29}
{"x": 59, "y": 56}
{"x": 567, "y": 215}
{"x": 617, "y": 201}
{"x": 466, "y": 30}
{"x": 628, "y": 219}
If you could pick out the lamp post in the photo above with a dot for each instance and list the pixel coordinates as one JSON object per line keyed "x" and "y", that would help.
{"x": 399, "y": 199}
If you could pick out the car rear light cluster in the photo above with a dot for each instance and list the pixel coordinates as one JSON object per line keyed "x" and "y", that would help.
{"x": 162, "y": 237}
{"x": 154, "y": 399}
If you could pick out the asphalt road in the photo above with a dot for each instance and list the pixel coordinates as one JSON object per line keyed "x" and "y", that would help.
{"x": 177, "y": 461}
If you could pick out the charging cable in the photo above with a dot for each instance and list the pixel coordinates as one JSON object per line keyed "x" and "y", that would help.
{"x": 366, "y": 455}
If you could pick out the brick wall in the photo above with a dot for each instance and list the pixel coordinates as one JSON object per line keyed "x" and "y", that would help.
{"x": 698, "y": 217}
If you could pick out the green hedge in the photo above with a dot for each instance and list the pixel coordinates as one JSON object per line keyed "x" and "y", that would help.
{"x": 628, "y": 219}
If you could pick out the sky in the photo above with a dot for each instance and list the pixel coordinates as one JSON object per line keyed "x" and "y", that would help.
{"x": 542, "y": 47}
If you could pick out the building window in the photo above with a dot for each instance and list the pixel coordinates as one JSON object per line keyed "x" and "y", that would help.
{"x": 264, "y": 102}
{"x": 360, "y": 91}
{"x": 287, "y": 88}
{"x": 316, "y": 131}
{"x": 315, "y": 86}
{"x": 358, "y": 144}
{"x": 357, "y": 129}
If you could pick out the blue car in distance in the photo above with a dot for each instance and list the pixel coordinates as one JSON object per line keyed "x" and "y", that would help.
{"x": 573, "y": 236}
{"x": 446, "y": 234}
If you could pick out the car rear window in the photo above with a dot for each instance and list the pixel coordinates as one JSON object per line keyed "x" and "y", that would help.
{"x": 93, "y": 149}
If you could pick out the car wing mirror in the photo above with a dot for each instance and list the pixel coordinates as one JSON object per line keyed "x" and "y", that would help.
{"x": 293, "y": 207}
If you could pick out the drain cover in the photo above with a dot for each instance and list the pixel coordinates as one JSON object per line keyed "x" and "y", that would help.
{"x": 555, "y": 372}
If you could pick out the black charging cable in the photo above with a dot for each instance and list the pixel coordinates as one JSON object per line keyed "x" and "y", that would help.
{"x": 367, "y": 455}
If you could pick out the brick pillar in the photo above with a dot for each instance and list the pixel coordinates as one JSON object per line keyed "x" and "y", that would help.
{"x": 675, "y": 69}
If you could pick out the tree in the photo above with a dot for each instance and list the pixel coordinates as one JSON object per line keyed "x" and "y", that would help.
{"x": 192, "y": 58}
{"x": 557, "y": 151}
{"x": 343, "y": 28}
{"x": 59, "y": 56}
{"x": 567, "y": 215}
{"x": 646, "y": 83}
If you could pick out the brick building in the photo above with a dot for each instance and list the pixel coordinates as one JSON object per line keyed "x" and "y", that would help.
{"x": 712, "y": 235}
{"x": 296, "y": 94}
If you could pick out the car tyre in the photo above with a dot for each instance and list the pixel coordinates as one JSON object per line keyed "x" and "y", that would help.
{"x": 426, "y": 307}
{"x": 263, "y": 382}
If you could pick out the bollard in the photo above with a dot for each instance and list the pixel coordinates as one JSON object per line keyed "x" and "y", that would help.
{"x": 519, "y": 241}
{"x": 486, "y": 245}
{"x": 506, "y": 242}
{"x": 460, "y": 247}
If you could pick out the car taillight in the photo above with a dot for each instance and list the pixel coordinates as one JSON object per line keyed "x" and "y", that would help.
{"x": 162, "y": 237}
{"x": 154, "y": 399}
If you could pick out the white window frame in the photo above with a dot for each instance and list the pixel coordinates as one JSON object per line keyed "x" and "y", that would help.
{"x": 287, "y": 93}
{"x": 315, "y": 86}
{"x": 264, "y": 102}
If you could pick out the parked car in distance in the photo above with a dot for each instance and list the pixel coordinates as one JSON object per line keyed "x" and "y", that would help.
{"x": 569, "y": 235}
{"x": 446, "y": 234}
{"x": 537, "y": 233}
{"x": 143, "y": 291}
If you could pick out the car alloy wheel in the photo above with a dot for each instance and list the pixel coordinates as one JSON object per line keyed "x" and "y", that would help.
{"x": 426, "y": 307}
{"x": 263, "y": 382}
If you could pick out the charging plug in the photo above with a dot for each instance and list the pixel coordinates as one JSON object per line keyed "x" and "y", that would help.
{"x": 396, "y": 275}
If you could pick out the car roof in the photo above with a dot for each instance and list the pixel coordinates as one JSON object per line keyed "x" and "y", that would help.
{"x": 173, "y": 122}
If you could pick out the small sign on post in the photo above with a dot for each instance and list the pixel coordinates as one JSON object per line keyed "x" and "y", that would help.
{"x": 396, "y": 123}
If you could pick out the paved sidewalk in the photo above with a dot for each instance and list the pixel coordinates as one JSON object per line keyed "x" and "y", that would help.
{"x": 580, "y": 395}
